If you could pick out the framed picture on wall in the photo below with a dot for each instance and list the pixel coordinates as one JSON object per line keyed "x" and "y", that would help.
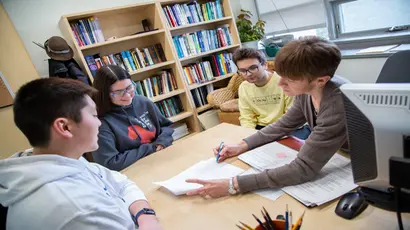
{"x": 6, "y": 94}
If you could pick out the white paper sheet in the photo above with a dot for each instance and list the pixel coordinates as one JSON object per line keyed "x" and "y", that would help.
{"x": 268, "y": 156}
{"x": 269, "y": 193}
{"x": 334, "y": 180}
{"x": 205, "y": 170}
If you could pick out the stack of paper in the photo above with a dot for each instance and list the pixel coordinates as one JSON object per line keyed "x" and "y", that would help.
{"x": 334, "y": 180}
{"x": 269, "y": 193}
{"x": 269, "y": 156}
{"x": 204, "y": 170}
{"x": 180, "y": 131}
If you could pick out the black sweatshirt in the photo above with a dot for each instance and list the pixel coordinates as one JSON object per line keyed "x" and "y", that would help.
{"x": 129, "y": 133}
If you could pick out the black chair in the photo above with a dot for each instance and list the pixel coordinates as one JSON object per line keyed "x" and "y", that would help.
{"x": 3, "y": 217}
{"x": 396, "y": 69}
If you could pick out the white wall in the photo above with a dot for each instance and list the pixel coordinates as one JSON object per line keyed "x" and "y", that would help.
{"x": 364, "y": 70}
{"x": 37, "y": 20}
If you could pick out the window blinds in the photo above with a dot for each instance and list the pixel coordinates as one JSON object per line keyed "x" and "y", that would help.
{"x": 296, "y": 14}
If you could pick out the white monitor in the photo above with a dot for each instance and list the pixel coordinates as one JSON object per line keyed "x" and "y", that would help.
{"x": 378, "y": 126}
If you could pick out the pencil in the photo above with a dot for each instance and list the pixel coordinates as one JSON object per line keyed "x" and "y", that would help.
{"x": 269, "y": 219}
{"x": 260, "y": 222}
{"x": 246, "y": 226}
{"x": 298, "y": 222}
{"x": 240, "y": 227}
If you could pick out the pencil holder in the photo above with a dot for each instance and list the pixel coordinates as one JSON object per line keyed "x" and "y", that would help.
{"x": 279, "y": 225}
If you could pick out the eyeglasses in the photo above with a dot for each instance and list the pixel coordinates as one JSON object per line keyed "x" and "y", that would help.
{"x": 120, "y": 93}
{"x": 252, "y": 69}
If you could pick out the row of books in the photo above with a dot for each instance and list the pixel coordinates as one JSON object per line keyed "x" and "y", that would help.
{"x": 170, "y": 107}
{"x": 130, "y": 60}
{"x": 199, "y": 95}
{"x": 202, "y": 41}
{"x": 87, "y": 31}
{"x": 193, "y": 12}
{"x": 180, "y": 130}
{"x": 162, "y": 83}
{"x": 222, "y": 63}
{"x": 198, "y": 72}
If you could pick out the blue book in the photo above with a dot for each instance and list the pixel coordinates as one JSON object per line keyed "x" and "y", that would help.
{"x": 192, "y": 9}
{"x": 196, "y": 43}
{"x": 89, "y": 30}
{"x": 178, "y": 21}
{"x": 201, "y": 42}
{"x": 177, "y": 46}
{"x": 82, "y": 30}
{"x": 130, "y": 60}
{"x": 219, "y": 9}
{"x": 92, "y": 65}
{"x": 188, "y": 13}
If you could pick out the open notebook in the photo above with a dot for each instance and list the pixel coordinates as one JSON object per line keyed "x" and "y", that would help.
{"x": 334, "y": 180}
{"x": 205, "y": 170}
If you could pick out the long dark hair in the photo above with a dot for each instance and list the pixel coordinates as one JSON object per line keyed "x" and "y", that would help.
{"x": 105, "y": 77}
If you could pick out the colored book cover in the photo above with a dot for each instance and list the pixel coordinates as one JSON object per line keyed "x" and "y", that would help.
{"x": 128, "y": 55}
{"x": 92, "y": 65}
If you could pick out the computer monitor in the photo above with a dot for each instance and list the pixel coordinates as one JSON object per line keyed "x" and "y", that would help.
{"x": 378, "y": 126}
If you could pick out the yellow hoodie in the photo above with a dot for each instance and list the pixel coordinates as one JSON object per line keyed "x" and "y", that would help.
{"x": 262, "y": 105}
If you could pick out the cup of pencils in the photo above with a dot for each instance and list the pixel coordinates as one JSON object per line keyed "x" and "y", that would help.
{"x": 280, "y": 223}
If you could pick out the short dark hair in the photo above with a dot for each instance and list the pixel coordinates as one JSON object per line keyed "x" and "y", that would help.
{"x": 104, "y": 78}
{"x": 308, "y": 57}
{"x": 248, "y": 53}
{"x": 40, "y": 102}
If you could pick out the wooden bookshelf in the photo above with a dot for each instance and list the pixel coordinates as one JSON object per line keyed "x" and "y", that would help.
{"x": 220, "y": 78}
{"x": 203, "y": 108}
{"x": 127, "y": 37}
{"x": 224, "y": 19}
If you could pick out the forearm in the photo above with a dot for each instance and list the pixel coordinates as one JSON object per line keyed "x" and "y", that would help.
{"x": 137, "y": 206}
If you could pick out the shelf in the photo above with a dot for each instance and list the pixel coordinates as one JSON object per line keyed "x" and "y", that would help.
{"x": 117, "y": 40}
{"x": 220, "y": 78}
{"x": 168, "y": 95}
{"x": 203, "y": 108}
{"x": 159, "y": 65}
{"x": 185, "y": 137}
{"x": 180, "y": 116}
{"x": 209, "y": 52}
{"x": 172, "y": 29}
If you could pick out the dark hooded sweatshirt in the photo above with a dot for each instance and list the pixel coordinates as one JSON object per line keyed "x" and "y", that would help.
{"x": 129, "y": 133}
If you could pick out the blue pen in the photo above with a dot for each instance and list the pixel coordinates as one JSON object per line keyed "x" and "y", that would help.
{"x": 219, "y": 151}
{"x": 287, "y": 218}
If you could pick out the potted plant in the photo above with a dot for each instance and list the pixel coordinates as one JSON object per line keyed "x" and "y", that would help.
{"x": 248, "y": 33}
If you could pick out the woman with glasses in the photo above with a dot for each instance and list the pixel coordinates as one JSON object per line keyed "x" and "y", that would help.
{"x": 132, "y": 126}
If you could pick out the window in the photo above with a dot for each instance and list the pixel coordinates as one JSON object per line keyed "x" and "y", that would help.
{"x": 359, "y": 18}
{"x": 321, "y": 32}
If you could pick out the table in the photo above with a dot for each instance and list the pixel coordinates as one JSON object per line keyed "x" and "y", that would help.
{"x": 195, "y": 213}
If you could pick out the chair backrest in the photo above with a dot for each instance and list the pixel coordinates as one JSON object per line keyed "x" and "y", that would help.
{"x": 396, "y": 69}
{"x": 234, "y": 84}
{"x": 3, "y": 217}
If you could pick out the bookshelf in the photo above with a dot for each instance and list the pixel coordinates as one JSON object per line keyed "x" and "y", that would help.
{"x": 120, "y": 27}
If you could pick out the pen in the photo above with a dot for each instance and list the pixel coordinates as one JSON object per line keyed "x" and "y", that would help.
{"x": 219, "y": 151}
{"x": 298, "y": 222}
{"x": 269, "y": 219}
{"x": 287, "y": 218}
{"x": 259, "y": 222}
{"x": 290, "y": 220}
{"x": 268, "y": 223}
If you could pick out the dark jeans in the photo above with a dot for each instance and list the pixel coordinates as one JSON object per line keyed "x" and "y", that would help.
{"x": 301, "y": 133}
